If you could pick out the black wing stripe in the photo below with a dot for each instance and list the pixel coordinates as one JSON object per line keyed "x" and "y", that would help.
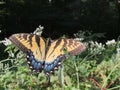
{"x": 65, "y": 42}
{"x": 38, "y": 40}
{"x": 30, "y": 39}
{"x": 24, "y": 36}
{"x": 56, "y": 45}
{"x": 18, "y": 44}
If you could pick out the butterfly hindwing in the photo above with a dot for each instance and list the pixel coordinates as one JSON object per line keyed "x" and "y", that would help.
{"x": 34, "y": 46}
{"x": 56, "y": 52}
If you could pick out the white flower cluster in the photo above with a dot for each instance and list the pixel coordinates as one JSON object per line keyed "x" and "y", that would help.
{"x": 96, "y": 47}
{"x": 79, "y": 39}
{"x": 111, "y": 42}
{"x": 39, "y": 30}
{"x": 6, "y": 42}
{"x": 81, "y": 35}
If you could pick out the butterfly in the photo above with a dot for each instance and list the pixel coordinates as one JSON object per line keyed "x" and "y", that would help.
{"x": 43, "y": 55}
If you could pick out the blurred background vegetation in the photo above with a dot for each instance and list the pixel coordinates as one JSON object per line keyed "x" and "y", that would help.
{"x": 60, "y": 17}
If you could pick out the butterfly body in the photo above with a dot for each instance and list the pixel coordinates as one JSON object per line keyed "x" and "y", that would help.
{"x": 44, "y": 56}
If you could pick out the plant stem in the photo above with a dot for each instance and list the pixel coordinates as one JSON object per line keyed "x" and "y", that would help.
{"x": 77, "y": 75}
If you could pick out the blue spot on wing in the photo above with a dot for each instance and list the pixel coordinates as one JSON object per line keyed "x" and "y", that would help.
{"x": 56, "y": 61}
{"x": 33, "y": 62}
{"x": 39, "y": 66}
{"x": 50, "y": 66}
{"x": 36, "y": 64}
{"x": 31, "y": 58}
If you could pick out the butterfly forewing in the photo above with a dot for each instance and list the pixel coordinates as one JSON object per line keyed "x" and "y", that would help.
{"x": 58, "y": 48}
{"x": 30, "y": 42}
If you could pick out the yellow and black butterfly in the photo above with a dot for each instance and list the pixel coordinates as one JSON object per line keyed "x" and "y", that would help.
{"x": 44, "y": 56}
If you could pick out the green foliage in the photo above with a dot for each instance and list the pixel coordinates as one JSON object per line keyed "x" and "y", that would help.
{"x": 98, "y": 68}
